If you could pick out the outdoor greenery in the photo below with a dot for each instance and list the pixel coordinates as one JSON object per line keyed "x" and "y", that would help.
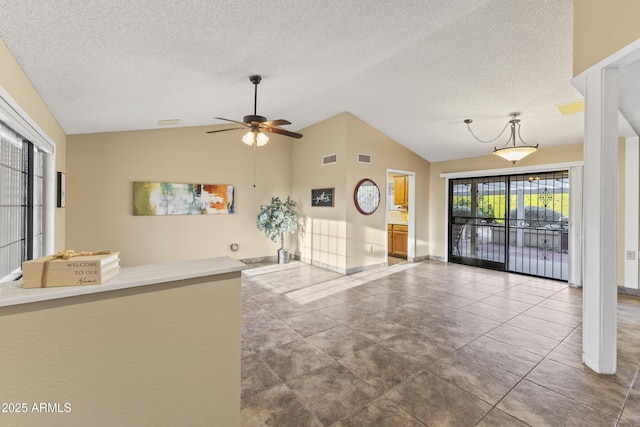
{"x": 462, "y": 208}
{"x": 536, "y": 216}
{"x": 493, "y": 208}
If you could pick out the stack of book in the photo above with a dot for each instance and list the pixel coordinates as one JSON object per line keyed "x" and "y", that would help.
{"x": 52, "y": 271}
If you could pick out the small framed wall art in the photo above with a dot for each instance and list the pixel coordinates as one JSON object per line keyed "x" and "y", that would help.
{"x": 322, "y": 197}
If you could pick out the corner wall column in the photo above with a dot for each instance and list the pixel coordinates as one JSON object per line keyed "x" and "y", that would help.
{"x": 600, "y": 200}
{"x": 576, "y": 226}
{"x": 631, "y": 211}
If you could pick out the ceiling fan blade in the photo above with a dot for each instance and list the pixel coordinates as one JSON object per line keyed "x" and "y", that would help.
{"x": 277, "y": 122}
{"x": 232, "y": 121}
{"x": 223, "y": 130}
{"x": 284, "y": 132}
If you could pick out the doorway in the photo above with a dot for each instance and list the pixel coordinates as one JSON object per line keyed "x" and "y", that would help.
{"x": 516, "y": 223}
{"x": 400, "y": 216}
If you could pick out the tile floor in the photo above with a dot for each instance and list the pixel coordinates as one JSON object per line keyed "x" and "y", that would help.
{"x": 426, "y": 344}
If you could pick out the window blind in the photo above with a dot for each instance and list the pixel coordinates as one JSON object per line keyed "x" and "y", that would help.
{"x": 21, "y": 200}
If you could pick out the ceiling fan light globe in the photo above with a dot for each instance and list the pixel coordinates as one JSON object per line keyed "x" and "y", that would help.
{"x": 248, "y": 138}
{"x": 261, "y": 139}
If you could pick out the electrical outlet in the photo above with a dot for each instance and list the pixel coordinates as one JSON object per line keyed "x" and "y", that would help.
{"x": 370, "y": 248}
{"x": 631, "y": 255}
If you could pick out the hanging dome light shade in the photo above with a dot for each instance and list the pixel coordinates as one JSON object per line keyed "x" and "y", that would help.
{"x": 514, "y": 154}
{"x": 510, "y": 151}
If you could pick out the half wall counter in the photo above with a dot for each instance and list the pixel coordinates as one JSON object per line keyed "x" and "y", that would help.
{"x": 156, "y": 345}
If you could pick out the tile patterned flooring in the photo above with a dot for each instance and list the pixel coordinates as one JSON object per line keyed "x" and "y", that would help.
{"x": 426, "y": 344}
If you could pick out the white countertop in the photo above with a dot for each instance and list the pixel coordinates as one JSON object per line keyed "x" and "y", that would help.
{"x": 12, "y": 293}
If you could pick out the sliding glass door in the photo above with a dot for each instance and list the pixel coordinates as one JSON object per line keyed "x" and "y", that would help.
{"x": 477, "y": 214}
{"x": 515, "y": 223}
{"x": 539, "y": 225}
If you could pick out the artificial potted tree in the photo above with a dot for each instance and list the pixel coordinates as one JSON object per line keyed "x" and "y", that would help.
{"x": 279, "y": 218}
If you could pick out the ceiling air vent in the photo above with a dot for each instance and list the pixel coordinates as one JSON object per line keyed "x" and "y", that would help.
{"x": 331, "y": 158}
{"x": 364, "y": 158}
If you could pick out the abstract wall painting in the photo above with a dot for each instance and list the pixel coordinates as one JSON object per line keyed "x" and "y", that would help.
{"x": 165, "y": 198}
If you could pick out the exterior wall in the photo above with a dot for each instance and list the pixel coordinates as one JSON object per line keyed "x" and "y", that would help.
{"x": 437, "y": 193}
{"x": 18, "y": 85}
{"x": 600, "y": 28}
{"x": 101, "y": 169}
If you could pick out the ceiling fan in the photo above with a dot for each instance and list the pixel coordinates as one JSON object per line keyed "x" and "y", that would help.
{"x": 258, "y": 125}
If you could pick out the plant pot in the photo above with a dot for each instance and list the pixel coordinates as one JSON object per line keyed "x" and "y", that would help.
{"x": 283, "y": 256}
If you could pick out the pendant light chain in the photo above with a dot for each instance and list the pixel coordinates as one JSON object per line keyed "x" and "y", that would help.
{"x": 468, "y": 122}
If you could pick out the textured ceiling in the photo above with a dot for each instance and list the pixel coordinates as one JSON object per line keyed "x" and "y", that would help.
{"x": 412, "y": 69}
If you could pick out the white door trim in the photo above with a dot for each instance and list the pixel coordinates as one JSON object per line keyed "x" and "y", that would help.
{"x": 411, "y": 218}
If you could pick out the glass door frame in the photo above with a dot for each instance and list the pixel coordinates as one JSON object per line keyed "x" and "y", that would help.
{"x": 541, "y": 222}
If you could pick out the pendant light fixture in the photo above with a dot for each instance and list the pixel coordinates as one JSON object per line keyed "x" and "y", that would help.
{"x": 510, "y": 151}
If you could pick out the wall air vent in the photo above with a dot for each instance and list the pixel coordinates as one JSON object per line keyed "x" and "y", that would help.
{"x": 331, "y": 158}
{"x": 364, "y": 158}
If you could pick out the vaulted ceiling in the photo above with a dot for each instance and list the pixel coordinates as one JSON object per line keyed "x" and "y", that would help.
{"x": 412, "y": 69}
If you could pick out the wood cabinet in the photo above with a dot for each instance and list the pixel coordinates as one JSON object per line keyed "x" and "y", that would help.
{"x": 397, "y": 240}
{"x": 400, "y": 190}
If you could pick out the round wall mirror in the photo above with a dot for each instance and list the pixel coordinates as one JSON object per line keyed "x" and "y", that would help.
{"x": 366, "y": 196}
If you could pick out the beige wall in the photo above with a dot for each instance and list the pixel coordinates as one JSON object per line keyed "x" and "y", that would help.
{"x": 437, "y": 194}
{"x": 372, "y": 230}
{"x": 601, "y": 28}
{"x": 340, "y": 237}
{"x": 325, "y": 241}
{"x": 135, "y": 357}
{"x": 101, "y": 169}
{"x": 18, "y": 85}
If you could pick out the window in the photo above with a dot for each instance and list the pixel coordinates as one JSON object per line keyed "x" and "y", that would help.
{"x": 21, "y": 201}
